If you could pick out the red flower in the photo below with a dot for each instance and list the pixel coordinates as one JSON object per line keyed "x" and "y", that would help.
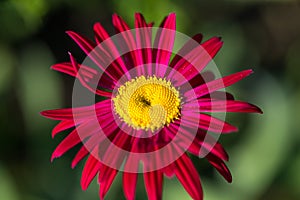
{"x": 154, "y": 108}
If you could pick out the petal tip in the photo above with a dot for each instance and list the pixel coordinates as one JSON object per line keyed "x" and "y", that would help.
{"x": 42, "y": 113}
{"x": 172, "y": 14}
{"x": 53, "y": 157}
{"x": 73, "y": 165}
{"x": 257, "y": 109}
{"x": 69, "y": 33}
{"x": 45, "y": 113}
{"x": 249, "y": 71}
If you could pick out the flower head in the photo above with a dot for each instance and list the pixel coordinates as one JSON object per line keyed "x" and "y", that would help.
{"x": 158, "y": 103}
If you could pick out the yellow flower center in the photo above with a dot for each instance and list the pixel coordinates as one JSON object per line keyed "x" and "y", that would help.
{"x": 147, "y": 103}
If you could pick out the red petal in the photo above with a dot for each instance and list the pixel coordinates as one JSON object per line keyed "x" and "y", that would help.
{"x": 164, "y": 42}
{"x": 109, "y": 48}
{"x": 218, "y": 84}
{"x": 154, "y": 184}
{"x": 91, "y": 143}
{"x": 61, "y": 126}
{"x": 81, "y": 133}
{"x": 129, "y": 185}
{"x": 86, "y": 112}
{"x": 91, "y": 168}
{"x": 120, "y": 139}
{"x": 88, "y": 74}
{"x": 220, "y": 166}
{"x": 127, "y": 43}
{"x": 169, "y": 170}
{"x": 86, "y": 84}
{"x": 207, "y": 122}
{"x": 209, "y": 105}
{"x": 211, "y": 44}
{"x": 85, "y": 44}
{"x": 98, "y": 56}
{"x": 210, "y": 123}
{"x": 70, "y": 141}
{"x": 204, "y": 144}
{"x": 66, "y": 68}
{"x": 105, "y": 179}
{"x": 119, "y": 24}
{"x": 100, "y": 33}
{"x": 219, "y": 95}
{"x": 143, "y": 42}
{"x": 79, "y": 156}
{"x": 188, "y": 176}
{"x": 195, "y": 60}
{"x": 140, "y": 21}
{"x": 187, "y": 47}
{"x": 58, "y": 114}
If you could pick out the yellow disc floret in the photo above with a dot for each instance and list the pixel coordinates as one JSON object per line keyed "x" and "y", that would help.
{"x": 147, "y": 103}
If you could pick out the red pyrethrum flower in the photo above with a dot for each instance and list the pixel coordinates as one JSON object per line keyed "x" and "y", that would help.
{"x": 157, "y": 101}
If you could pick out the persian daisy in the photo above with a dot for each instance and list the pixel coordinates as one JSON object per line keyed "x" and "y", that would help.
{"x": 155, "y": 104}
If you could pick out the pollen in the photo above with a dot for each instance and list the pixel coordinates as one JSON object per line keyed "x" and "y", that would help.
{"x": 147, "y": 103}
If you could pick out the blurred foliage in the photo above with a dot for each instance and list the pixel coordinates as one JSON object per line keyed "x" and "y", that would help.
{"x": 262, "y": 35}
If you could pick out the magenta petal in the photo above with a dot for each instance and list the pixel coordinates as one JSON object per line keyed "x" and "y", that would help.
{"x": 188, "y": 177}
{"x": 91, "y": 168}
{"x": 81, "y": 113}
{"x": 58, "y": 114}
{"x": 164, "y": 43}
{"x": 61, "y": 126}
{"x": 169, "y": 170}
{"x": 207, "y": 122}
{"x": 100, "y": 33}
{"x": 66, "y": 68}
{"x": 87, "y": 46}
{"x": 118, "y": 139}
{"x": 143, "y": 43}
{"x": 101, "y": 58}
{"x": 91, "y": 143}
{"x": 154, "y": 184}
{"x": 212, "y": 46}
{"x": 129, "y": 185}
{"x": 63, "y": 114}
{"x": 210, "y": 123}
{"x": 208, "y": 105}
{"x": 220, "y": 152}
{"x": 195, "y": 61}
{"x": 79, "y": 156}
{"x": 70, "y": 141}
{"x": 218, "y": 84}
{"x": 140, "y": 21}
{"x": 88, "y": 74}
{"x": 187, "y": 47}
{"x": 86, "y": 84}
{"x": 108, "y": 48}
{"x": 128, "y": 43}
{"x": 119, "y": 24}
{"x": 105, "y": 179}
{"x": 179, "y": 62}
{"x": 204, "y": 144}
{"x": 82, "y": 132}
{"x": 220, "y": 166}
{"x": 218, "y": 95}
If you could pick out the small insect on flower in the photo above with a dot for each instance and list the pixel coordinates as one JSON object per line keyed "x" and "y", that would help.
{"x": 158, "y": 103}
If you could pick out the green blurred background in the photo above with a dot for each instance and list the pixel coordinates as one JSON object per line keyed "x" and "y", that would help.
{"x": 262, "y": 35}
